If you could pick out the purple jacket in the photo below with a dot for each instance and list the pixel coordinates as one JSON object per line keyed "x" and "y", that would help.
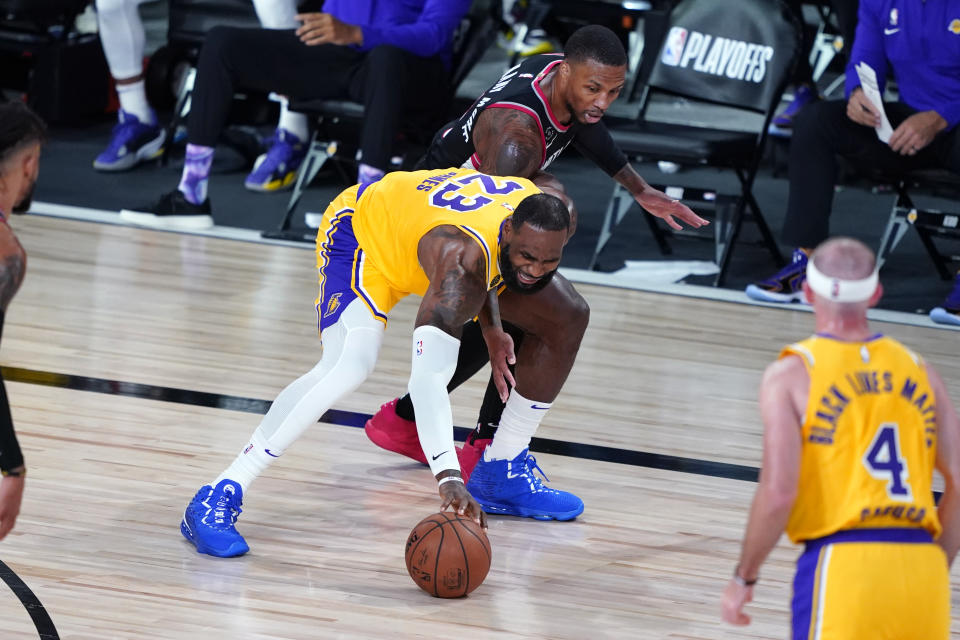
{"x": 920, "y": 42}
{"x": 422, "y": 27}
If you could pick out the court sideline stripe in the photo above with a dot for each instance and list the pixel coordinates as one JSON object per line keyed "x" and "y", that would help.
{"x": 41, "y": 619}
{"x": 355, "y": 419}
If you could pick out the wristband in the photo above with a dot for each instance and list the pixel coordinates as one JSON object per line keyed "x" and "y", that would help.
{"x": 450, "y": 479}
{"x": 740, "y": 580}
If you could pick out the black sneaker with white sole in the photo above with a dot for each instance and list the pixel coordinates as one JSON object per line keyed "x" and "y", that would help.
{"x": 172, "y": 211}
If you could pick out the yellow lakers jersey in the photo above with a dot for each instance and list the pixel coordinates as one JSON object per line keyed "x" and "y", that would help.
{"x": 869, "y": 439}
{"x": 392, "y": 215}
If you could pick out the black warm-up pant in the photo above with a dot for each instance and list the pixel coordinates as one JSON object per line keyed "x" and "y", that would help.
{"x": 822, "y": 132}
{"x": 390, "y": 82}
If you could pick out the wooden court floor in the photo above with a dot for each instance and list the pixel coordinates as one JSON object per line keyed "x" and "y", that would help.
{"x": 144, "y": 357}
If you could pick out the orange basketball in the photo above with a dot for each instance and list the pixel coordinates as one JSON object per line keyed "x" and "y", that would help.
{"x": 448, "y": 555}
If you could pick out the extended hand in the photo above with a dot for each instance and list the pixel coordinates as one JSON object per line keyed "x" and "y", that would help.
{"x": 500, "y": 348}
{"x": 916, "y": 132}
{"x": 323, "y": 28}
{"x": 455, "y": 495}
{"x": 861, "y": 110}
{"x": 663, "y": 206}
{"x": 735, "y": 596}
{"x": 11, "y": 493}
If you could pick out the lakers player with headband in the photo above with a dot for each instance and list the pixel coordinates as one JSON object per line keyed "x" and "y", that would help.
{"x": 838, "y": 289}
{"x": 854, "y": 424}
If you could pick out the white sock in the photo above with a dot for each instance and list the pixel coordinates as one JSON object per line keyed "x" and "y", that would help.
{"x": 133, "y": 100}
{"x": 520, "y": 420}
{"x": 250, "y": 463}
{"x": 295, "y": 123}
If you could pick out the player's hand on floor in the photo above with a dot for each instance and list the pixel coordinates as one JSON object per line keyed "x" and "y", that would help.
{"x": 500, "y": 348}
{"x": 11, "y": 493}
{"x": 663, "y": 206}
{"x": 735, "y": 597}
{"x": 456, "y": 496}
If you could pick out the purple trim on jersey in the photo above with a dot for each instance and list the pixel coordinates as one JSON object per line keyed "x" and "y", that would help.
{"x": 483, "y": 243}
{"x": 530, "y": 112}
{"x": 803, "y": 589}
{"x": 358, "y": 261}
{"x": 336, "y": 267}
{"x": 904, "y": 535}
{"x": 363, "y": 187}
{"x": 546, "y": 103}
{"x": 830, "y": 336}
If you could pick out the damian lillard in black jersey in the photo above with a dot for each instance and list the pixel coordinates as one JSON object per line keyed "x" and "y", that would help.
{"x": 518, "y": 127}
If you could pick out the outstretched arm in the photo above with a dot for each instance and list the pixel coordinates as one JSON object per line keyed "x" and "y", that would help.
{"x": 657, "y": 202}
{"x": 456, "y": 268}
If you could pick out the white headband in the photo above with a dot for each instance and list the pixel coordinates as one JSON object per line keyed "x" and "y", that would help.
{"x": 839, "y": 290}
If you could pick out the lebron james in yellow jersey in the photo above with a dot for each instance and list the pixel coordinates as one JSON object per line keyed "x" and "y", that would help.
{"x": 452, "y": 236}
{"x": 855, "y": 424}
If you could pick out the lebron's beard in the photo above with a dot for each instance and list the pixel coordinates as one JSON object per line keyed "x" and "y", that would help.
{"x": 509, "y": 273}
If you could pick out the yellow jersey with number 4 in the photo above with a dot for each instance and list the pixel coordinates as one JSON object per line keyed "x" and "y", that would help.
{"x": 393, "y": 214}
{"x": 869, "y": 439}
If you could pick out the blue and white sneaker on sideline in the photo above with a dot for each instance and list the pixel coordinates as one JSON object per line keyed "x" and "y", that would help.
{"x": 131, "y": 142}
{"x": 209, "y": 519}
{"x": 277, "y": 168}
{"x": 949, "y": 311}
{"x": 785, "y": 285}
{"x": 509, "y": 487}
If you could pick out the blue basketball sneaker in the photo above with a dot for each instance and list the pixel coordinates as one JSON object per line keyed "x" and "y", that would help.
{"x": 277, "y": 168}
{"x": 949, "y": 311}
{"x": 785, "y": 285}
{"x": 510, "y": 487}
{"x": 132, "y": 142}
{"x": 209, "y": 520}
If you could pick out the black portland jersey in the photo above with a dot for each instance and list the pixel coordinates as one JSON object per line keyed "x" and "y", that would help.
{"x": 518, "y": 88}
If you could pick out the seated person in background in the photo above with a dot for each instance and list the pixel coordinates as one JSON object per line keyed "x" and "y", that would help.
{"x": 924, "y": 121}
{"x": 805, "y": 87}
{"x": 138, "y": 136}
{"x": 517, "y": 128}
{"x": 390, "y": 56}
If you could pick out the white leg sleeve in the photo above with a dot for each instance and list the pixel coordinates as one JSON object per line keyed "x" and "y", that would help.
{"x": 121, "y": 32}
{"x": 350, "y": 349}
{"x": 276, "y": 14}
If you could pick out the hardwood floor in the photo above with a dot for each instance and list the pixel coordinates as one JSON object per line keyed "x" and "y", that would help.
{"x": 111, "y": 468}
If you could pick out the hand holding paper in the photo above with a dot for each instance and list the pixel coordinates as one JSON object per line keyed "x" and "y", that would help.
{"x": 871, "y": 91}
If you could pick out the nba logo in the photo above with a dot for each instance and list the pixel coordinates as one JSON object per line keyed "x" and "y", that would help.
{"x": 419, "y": 347}
{"x": 674, "y": 46}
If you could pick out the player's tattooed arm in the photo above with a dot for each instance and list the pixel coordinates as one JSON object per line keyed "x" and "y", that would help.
{"x": 508, "y": 143}
{"x": 457, "y": 270}
{"x": 13, "y": 264}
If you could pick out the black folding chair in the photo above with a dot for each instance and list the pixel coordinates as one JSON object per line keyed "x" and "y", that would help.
{"x": 929, "y": 223}
{"x": 733, "y": 60}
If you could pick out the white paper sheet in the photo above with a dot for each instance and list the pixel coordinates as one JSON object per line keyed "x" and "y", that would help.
{"x": 868, "y": 82}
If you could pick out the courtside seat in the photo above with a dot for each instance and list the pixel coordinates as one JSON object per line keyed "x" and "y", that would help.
{"x": 476, "y": 33}
{"x": 929, "y": 223}
{"x": 733, "y": 65}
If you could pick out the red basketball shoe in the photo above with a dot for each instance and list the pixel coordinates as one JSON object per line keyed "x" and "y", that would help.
{"x": 470, "y": 454}
{"x": 391, "y": 432}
